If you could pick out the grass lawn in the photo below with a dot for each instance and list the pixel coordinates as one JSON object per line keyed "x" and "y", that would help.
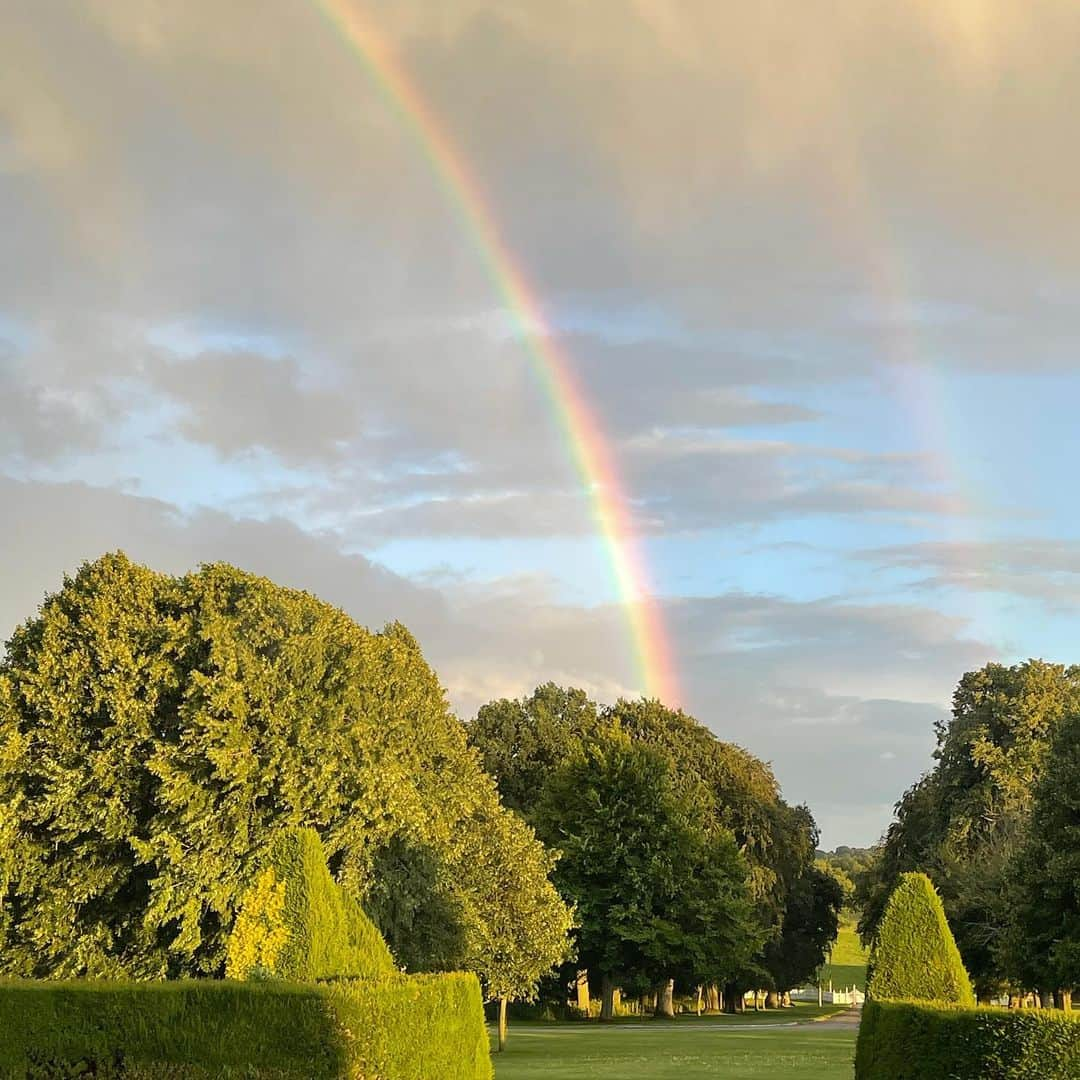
{"x": 686, "y": 1049}
{"x": 847, "y": 963}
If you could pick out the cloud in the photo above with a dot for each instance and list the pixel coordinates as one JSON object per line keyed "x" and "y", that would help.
{"x": 1046, "y": 570}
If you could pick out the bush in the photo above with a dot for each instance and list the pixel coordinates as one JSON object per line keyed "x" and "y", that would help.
{"x": 397, "y": 1028}
{"x": 295, "y": 922}
{"x": 914, "y": 955}
{"x": 903, "y": 1040}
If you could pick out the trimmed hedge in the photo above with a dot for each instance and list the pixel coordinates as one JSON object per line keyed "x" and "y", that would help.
{"x": 915, "y": 955}
{"x": 395, "y": 1028}
{"x": 295, "y": 922}
{"x": 417, "y": 1027}
{"x": 914, "y": 1040}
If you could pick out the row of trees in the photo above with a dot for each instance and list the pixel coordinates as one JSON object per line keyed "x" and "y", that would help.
{"x": 685, "y": 866}
{"x": 996, "y": 825}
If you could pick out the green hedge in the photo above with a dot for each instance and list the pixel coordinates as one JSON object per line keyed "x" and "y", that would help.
{"x": 914, "y": 1040}
{"x": 418, "y": 1027}
{"x": 397, "y": 1028}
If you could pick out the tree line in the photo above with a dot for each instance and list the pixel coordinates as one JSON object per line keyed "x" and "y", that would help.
{"x": 686, "y": 868}
{"x": 159, "y": 733}
{"x": 996, "y": 824}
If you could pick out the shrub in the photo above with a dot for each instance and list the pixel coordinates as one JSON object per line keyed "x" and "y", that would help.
{"x": 396, "y": 1028}
{"x": 295, "y": 922}
{"x": 904, "y": 1040}
{"x": 914, "y": 955}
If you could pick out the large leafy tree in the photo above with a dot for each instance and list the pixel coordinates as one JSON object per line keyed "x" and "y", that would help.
{"x": 157, "y": 734}
{"x": 739, "y": 794}
{"x": 964, "y": 822}
{"x": 1042, "y": 945}
{"x": 655, "y": 893}
{"x": 522, "y": 741}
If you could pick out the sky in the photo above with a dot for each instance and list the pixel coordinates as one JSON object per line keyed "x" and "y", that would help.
{"x": 815, "y": 266}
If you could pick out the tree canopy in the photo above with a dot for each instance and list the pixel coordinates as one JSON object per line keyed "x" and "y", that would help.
{"x": 964, "y": 821}
{"x": 529, "y": 744}
{"x": 655, "y": 894}
{"x": 1042, "y": 944}
{"x": 158, "y": 733}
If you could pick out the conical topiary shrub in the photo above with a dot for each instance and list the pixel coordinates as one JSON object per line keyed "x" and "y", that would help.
{"x": 295, "y": 922}
{"x": 915, "y": 956}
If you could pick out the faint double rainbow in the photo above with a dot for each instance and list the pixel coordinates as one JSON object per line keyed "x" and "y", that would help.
{"x": 579, "y": 427}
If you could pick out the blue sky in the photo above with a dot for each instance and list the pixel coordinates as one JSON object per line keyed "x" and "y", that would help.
{"x": 823, "y": 301}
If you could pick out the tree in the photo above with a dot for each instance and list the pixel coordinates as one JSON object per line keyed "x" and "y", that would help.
{"x": 964, "y": 821}
{"x": 915, "y": 955}
{"x": 811, "y": 921}
{"x": 521, "y": 742}
{"x": 1042, "y": 947}
{"x": 158, "y": 733}
{"x": 654, "y": 893}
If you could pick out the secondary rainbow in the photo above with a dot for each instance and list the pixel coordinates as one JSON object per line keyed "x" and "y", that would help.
{"x": 581, "y": 431}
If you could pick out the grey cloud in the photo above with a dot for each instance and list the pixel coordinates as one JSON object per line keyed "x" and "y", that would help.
{"x": 1046, "y": 570}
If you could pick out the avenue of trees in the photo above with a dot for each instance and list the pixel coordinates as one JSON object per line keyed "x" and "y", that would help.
{"x": 687, "y": 870}
{"x": 996, "y": 826}
{"x": 160, "y": 734}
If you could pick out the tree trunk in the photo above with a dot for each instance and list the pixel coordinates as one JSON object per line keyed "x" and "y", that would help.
{"x": 712, "y": 998}
{"x": 1063, "y": 1000}
{"x": 772, "y": 1000}
{"x": 502, "y": 1024}
{"x": 665, "y": 1005}
{"x": 1014, "y": 1001}
{"x": 786, "y": 1001}
{"x": 1046, "y": 999}
{"x": 731, "y": 994}
{"x": 582, "y": 987}
{"x": 607, "y": 999}
{"x": 700, "y": 993}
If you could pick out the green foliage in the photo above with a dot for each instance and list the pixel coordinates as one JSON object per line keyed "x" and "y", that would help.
{"x": 397, "y": 1028}
{"x": 901, "y": 1040}
{"x": 915, "y": 956}
{"x": 655, "y": 893}
{"x": 296, "y": 922}
{"x": 521, "y": 742}
{"x": 525, "y": 743}
{"x": 158, "y": 733}
{"x": 1043, "y": 943}
{"x": 964, "y": 822}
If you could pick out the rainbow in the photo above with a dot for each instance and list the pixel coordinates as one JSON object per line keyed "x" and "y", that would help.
{"x": 580, "y": 429}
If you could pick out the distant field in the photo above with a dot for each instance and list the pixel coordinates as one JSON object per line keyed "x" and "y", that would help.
{"x": 847, "y": 963}
{"x": 686, "y": 1049}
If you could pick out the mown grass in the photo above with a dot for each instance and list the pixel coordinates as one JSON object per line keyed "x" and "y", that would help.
{"x": 686, "y": 1049}
{"x": 847, "y": 962}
